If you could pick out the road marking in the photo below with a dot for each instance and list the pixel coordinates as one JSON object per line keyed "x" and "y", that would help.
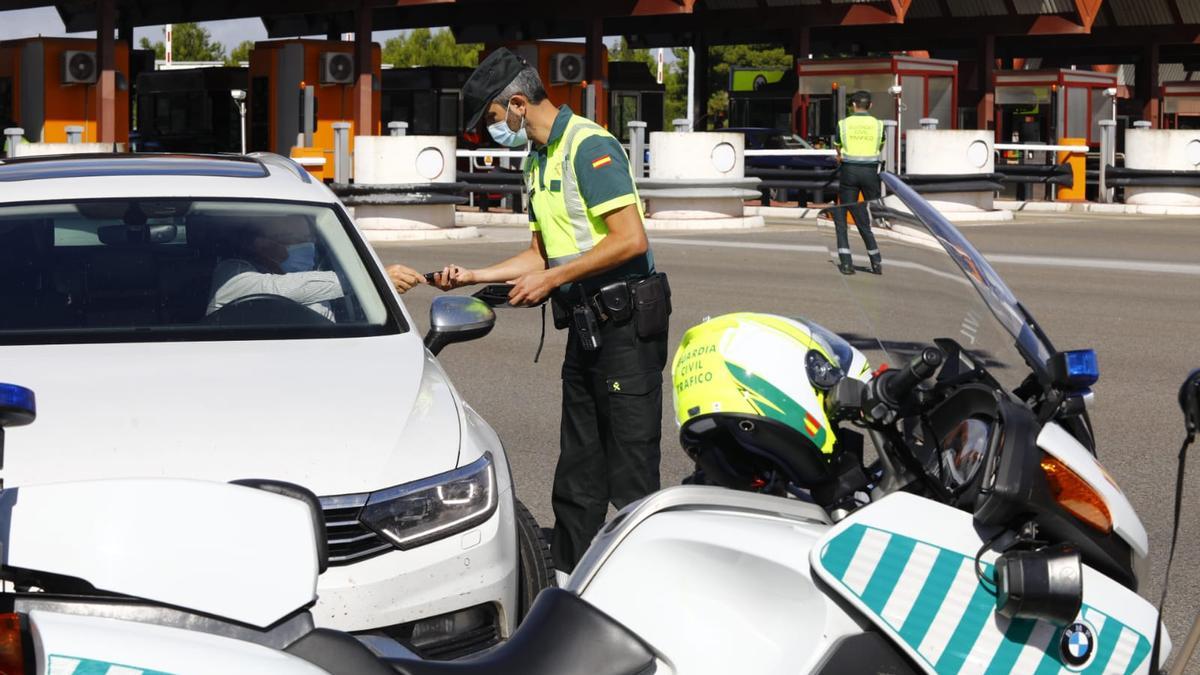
{"x": 1107, "y": 264}
{"x": 1096, "y": 264}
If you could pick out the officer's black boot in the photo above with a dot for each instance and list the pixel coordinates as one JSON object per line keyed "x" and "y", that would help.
{"x": 876, "y": 264}
{"x": 845, "y": 264}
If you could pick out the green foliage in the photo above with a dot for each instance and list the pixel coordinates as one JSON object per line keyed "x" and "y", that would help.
{"x": 675, "y": 104}
{"x": 721, "y": 59}
{"x": 240, "y": 53}
{"x": 425, "y": 47}
{"x": 190, "y": 42}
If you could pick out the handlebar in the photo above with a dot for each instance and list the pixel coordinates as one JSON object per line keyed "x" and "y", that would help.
{"x": 922, "y": 366}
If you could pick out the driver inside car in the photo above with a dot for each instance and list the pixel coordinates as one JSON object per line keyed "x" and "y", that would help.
{"x": 278, "y": 257}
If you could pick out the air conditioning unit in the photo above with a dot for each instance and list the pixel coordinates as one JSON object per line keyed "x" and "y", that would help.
{"x": 337, "y": 68}
{"x": 566, "y": 68}
{"x": 79, "y": 67}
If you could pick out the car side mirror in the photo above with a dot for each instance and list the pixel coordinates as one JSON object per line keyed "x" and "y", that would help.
{"x": 457, "y": 318}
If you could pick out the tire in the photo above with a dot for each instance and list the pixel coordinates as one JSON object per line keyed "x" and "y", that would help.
{"x": 534, "y": 562}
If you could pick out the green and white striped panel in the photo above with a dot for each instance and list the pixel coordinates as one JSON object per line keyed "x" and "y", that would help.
{"x": 929, "y": 599}
{"x": 74, "y": 665}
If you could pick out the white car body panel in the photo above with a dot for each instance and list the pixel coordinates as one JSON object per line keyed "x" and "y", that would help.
{"x": 1126, "y": 523}
{"x": 67, "y": 644}
{"x": 337, "y": 416}
{"x": 184, "y": 543}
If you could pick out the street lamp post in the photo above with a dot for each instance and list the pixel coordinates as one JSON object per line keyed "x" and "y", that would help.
{"x": 239, "y": 99}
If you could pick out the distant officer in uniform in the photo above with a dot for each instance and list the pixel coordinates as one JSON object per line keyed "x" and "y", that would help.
{"x": 589, "y": 255}
{"x": 859, "y": 140}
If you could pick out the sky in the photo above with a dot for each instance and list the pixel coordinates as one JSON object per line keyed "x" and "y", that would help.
{"x": 45, "y": 21}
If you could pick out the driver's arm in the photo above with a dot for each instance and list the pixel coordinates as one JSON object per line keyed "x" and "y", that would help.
{"x": 241, "y": 280}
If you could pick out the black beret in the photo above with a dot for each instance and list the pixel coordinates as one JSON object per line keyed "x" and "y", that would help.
{"x": 496, "y": 72}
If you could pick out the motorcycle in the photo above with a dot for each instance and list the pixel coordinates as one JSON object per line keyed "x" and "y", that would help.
{"x": 961, "y": 523}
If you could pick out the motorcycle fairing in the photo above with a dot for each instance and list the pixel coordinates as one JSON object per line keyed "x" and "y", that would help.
{"x": 908, "y": 564}
{"x": 80, "y": 665}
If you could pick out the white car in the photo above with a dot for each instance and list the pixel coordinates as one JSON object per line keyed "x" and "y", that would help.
{"x": 222, "y": 318}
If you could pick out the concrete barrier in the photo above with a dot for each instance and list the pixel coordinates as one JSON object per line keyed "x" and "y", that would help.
{"x": 423, "y": 171}
{"x": 1162, "y": 150}
{"x": 698, "y": 181}
{"x": 954, "y": 152}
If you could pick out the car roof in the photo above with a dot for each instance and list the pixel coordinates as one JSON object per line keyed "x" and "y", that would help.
{"x": 117, "y": 175}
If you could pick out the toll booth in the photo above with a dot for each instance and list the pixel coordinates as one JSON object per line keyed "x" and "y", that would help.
{"x": 562, "y": 68}
{"x": 903, "y": 88}
{"x": 429, "y": 99}
{"x": 762, "y": 97}
{"x": 48, "y": 84}
{"x": 189, "y": 110}
{"x": 1180, "y": 105}
{"x": 290, "y": 77}
{"x": 1043, "y": 106}
{"x": 634, "y": 94}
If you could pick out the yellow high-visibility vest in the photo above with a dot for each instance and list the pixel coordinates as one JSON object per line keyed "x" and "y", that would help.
{"x": 860, "y": 137}
{"x": 568, "y": 230}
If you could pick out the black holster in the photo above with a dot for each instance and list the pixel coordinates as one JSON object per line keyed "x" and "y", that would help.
{"x": 651, "y": 304}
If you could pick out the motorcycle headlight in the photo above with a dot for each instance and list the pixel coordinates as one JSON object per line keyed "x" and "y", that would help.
{"x": 420, "y": 512}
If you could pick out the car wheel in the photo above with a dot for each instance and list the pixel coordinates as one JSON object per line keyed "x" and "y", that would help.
{"x": 533, "y": 559}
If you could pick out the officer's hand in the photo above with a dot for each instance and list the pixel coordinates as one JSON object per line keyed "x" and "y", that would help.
{"x": 531, "y": 289}
{"x": 453, "y": 276}
{"x": 404, "y": 278}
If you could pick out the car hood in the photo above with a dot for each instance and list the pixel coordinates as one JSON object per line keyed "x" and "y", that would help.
{"x": 337, "y": 416}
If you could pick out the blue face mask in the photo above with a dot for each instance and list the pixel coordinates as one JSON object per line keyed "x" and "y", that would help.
{"x": 505, "y": 136}
{"x": 301, "y": 258}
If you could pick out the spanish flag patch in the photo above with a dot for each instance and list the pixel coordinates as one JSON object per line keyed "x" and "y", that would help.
{"x": 603, "y": 161}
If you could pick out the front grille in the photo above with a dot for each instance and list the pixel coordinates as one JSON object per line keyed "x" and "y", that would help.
{"x": 349, "y": 540}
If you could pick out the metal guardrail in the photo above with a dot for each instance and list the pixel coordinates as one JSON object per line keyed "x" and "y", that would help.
{"x": 1126, "y": 177}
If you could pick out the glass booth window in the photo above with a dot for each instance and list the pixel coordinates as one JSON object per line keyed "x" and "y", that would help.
{"x": 941, "y": 100}
{"x": 912, "y": 98}
{"x": 1077, "y": 112}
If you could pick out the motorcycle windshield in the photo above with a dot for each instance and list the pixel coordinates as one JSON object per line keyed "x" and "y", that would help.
{"x": 935, "y": 284}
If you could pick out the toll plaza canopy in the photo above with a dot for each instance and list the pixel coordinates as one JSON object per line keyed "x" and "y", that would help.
{"x": 976, "y": 33}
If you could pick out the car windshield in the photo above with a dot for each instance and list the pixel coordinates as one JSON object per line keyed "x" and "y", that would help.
{"x": 935, "y": 285}
{"x": 117, "y": 270}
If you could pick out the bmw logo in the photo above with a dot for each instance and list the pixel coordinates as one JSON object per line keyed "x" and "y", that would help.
{"x": 1078, "y": 644}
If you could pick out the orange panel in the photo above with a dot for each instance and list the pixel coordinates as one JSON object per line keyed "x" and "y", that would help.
{"x": 63, "y": 104}
{"x": 1078, "y": 163}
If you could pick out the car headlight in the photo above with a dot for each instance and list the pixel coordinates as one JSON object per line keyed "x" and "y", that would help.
{"x": 432, "y": 508}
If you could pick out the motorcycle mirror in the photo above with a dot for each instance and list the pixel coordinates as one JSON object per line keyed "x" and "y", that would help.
{"x": 457, "y": 318}
{"x": 1189, "y": 401}
{"x": 1046, "y": 584}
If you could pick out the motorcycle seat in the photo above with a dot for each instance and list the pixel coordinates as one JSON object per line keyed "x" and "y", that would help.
{"x": 561, "y": 635}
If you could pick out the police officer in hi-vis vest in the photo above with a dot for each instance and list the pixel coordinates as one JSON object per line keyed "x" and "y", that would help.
{"x": 589, "y": 255}
{"x": 859, "y": 140}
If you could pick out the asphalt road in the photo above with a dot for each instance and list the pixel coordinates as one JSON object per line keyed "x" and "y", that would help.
{"x": 1129, "y": 287}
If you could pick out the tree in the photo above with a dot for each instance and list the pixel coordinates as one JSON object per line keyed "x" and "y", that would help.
{"x": 190, "y": 42}
{"x": 425, "y": 47}
{"x": 721, "y": 59}
{"x": 240, "y": 53}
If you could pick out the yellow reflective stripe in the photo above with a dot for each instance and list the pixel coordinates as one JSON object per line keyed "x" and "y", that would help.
{"x": 600, "y": 210}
